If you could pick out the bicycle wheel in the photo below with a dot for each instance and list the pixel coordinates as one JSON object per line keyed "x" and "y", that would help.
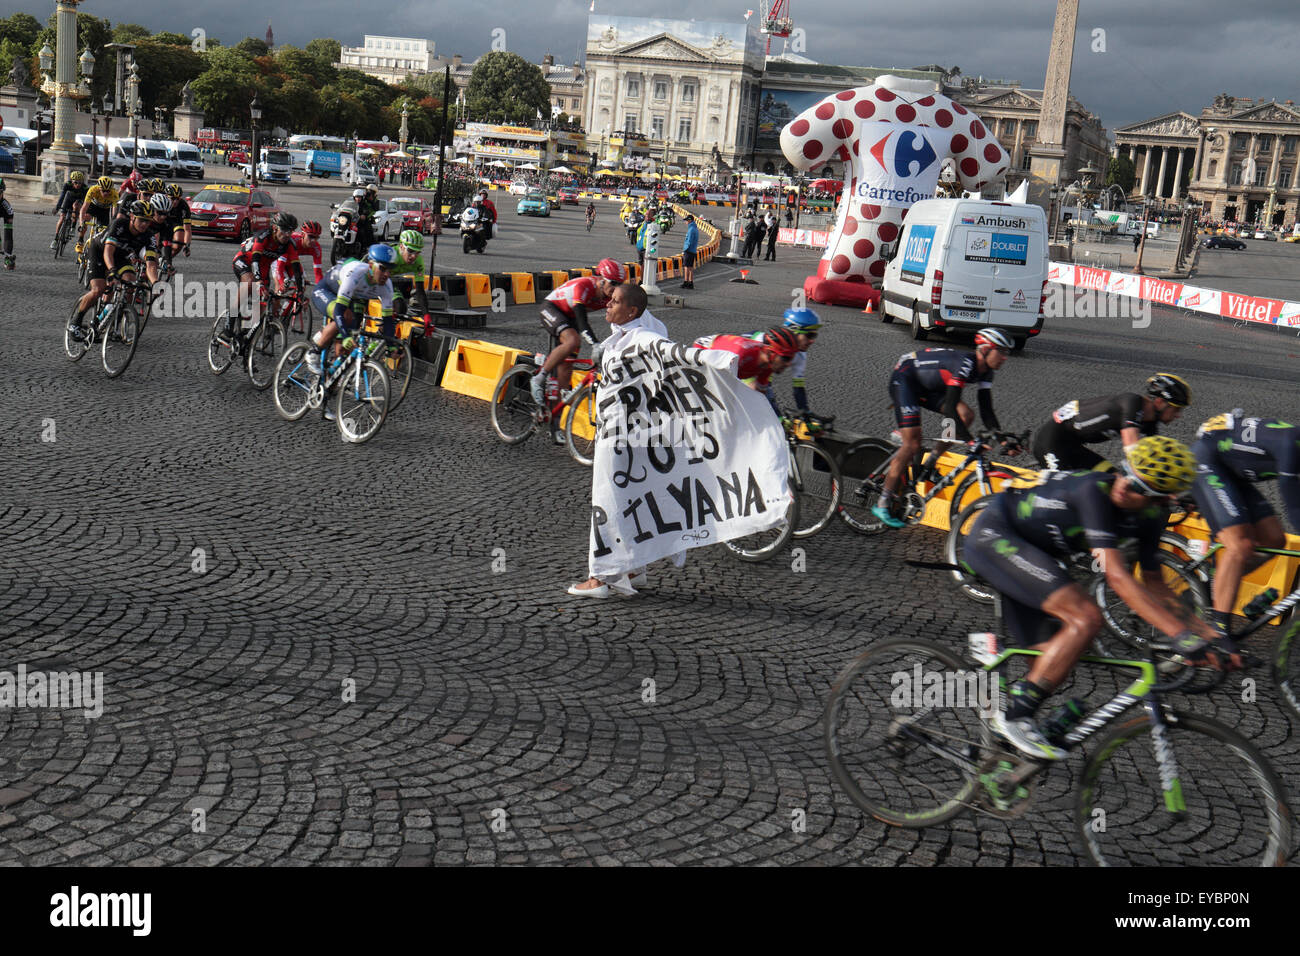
{"x": 361, "y": 402}
{"x": 902, "y": 760}
{"x": 971, "y": 489}
{"x": 862, "y": 474}
{"x": 398, "y": 364}
{"x": 818, "y": 487}
{"x": 1125, "y": 623}
{"x": 1285, "y": 664}
{"x": 264, "y": 353}
{"x": 765, "y": 544}
{"x": 1233, "y": 808}
{"x": 514, "y": 413}
{"x": 121, "y": 336}
{"x": 294, "y": 383}
{"x": 971, "y": 586}
{"x": 582, "y": 417}
{"x": 221, "y": 355}
{"x": 71, "y": 347}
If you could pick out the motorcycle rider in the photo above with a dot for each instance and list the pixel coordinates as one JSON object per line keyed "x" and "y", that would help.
{"x": 476, "y": 220}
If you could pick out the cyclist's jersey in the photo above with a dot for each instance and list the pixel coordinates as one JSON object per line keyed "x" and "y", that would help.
{"x": 70, "y": 196}
{"x": 142, "y": 245}
{"x": 934, "y": 371}
{"x": 581, "y": 291}
{"x": 750, "y": 352}
{"x": 1254, "y": 450}
{"x": 1071, "y": 513}
{"x": 98, "y": 197}
{"x": 798, "y": 364}
{"x": 261, "y": 250}
{"x": 302, "y": 248}
{"x": 1101, "y": 419}
{"x": 178, "y": 217}
{"x": 350, "y": 283}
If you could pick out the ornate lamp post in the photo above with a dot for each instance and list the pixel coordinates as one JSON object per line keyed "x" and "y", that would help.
{"x": 108, "y": 126}
{"x": 254, "y": 111}
{"x": 403, "y": 132}
{"x": 60, "y": 84}
{"x": 132, "y": 112}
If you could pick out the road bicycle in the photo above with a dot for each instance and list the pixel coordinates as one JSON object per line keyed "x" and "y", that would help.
{"x": 908, "y": 738}
{"x": 293, "y": 310}
{"x": 95, "y": 231}
{"x": 395, "y": 355}
{"x": 118, "y": 320}
{"x": 358, "y": 385}
{"x": 863, "y": 486}
{"x": 258, "y": 348}
{"x": 61, "y": 236}
{"x": 814, "y": 473}
{"x": 516, "y": 416}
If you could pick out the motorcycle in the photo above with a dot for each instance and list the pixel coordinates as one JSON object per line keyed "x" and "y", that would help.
{"x": 473, "y": 231}
{"x": 632, "y": 222}
{"x": 348, "y": 232}
{"x": 665, "y": 220}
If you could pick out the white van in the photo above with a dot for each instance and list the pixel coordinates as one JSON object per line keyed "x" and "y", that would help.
{"x": 186, "y": 158}
{"x": 121, "y": 153}
{"x": 968, "y": 264}
{"x": 84, "y": 141}
{"x": 13, "y": 138}
{"x": 159, "y": 156}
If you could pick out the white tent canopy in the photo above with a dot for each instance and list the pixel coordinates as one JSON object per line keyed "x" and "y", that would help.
{"x": 530, "y": 166}
{"x": 398, "y": 154}
{"x": 366, "y": 151}
{"x": 562, "y": 169}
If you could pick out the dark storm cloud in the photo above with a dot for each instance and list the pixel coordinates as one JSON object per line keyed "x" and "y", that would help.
{"x": 1161, "y": 55}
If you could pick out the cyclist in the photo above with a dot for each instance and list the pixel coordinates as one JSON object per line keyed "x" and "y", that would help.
{"x": 112, "y": 255}
{"x": 933, "y": 379}
{"x": 1015, "y": 545}
{"x": 179, "y": 231}
{"x": 759, "y": 360}
{"x": 344, "y": 294}
{"x": 591, "y": 215}
{"x": 1233, "y": 454}
{"x": 306, "y": 244}
{"x": 805, "y": 324}
{"x": 252, "y": 263}
{"x": 99, "y": 202}
{"x": 564, "y": 316}
{"x": 70, "y": 200}
{"x": 1060, "y": 445}
{"x": 408, "y": 276}
{"x": 7, "y": 213}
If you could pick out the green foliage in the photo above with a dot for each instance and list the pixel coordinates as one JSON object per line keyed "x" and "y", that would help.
{"x": 9, "y": 51}
{"x": 224, "y": 90}
{"x": 1121, "y": 173}
{"x": 164, "y": 69}
{"x": 505, "y": 86}
{"x": 22, "y": 29}
{"x": 325, "y": 50}
{"x": 172, "y": 39}
{"x": 252, "y": 46}
{"x": 129, "y": 33}
{"x": 292, "y": 62}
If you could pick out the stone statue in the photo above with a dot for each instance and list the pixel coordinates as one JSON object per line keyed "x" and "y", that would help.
{"x": 187, "y": 96}
{"x": 19, "y": 75}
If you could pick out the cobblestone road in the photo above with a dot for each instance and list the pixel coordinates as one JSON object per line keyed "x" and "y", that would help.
{"x": 232, "y": 576}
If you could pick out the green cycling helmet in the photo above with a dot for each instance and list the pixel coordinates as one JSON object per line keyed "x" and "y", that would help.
{"x": 411, "y": 239}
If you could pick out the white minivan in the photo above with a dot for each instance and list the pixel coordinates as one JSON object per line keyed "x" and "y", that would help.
{"x": 186, "y": 158}
{"x": 968, "y": 264}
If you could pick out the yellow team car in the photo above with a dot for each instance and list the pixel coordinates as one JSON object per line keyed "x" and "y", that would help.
{"x": 1294, "y": 237}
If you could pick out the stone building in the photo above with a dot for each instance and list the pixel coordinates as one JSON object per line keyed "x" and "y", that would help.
{"x": 390, "y": 59}
{"x": 1237, "y": 159}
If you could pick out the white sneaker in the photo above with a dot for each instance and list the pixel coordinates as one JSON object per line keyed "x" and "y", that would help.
{"x": 1025, "y": 736}
{"x": 537, "y": 388}
{"x": 313, "y": 361}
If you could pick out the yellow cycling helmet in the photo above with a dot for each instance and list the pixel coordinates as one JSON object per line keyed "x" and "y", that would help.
{"x": 1160, "y": 465}
{"x": 1219, "y": 423}
{"x": 78, "y": 177}
{"x": 105, "y": 183}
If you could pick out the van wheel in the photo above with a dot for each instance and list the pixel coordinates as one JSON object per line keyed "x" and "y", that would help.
{"x": 1019, "y": 342}
{"x": 918, "y": 333}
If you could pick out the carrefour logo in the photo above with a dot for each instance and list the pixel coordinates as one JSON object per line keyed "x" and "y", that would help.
{"x": 905, "y": 153}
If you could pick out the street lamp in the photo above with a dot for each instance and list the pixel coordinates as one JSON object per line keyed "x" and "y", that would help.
{"x": 254, "y": 111}
{"x": 108, "y": 123}
{"x": 405, "y": 113}
{"x": 61, "y": 84}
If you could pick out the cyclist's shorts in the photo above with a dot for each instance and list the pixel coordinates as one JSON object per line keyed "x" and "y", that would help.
{"x": 1057, "y": 451}
{"x": 95, "y": 267}
{"x": 907, "y": 403}
{"x": 1225, "y": 498}
{"x": 241, "y": 268}
{"x": 98, "y": 213}
{"x": 1024, "y": 574}
{"x": 555, "y": 322}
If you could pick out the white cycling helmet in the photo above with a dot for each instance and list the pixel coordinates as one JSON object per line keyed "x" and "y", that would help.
{"x": 994, "y": 337}
{"x": 358, "y": 194}
{"x": 161, "y": 202}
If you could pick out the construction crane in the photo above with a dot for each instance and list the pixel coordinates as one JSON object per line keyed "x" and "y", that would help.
{"x": 774, "y": 20}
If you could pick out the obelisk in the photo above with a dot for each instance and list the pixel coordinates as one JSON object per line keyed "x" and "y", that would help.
{"x": 1046, "y": 155}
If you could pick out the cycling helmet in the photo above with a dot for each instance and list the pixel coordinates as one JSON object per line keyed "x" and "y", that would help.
{"x": 994, "y": 337}
{"x": 781, "y": 341}
{"x": 174, "y": 190}
{"x": 160, "y": 203}
{"x": 381, "y": 254}
{"x": 1161, "y": 465}
{"x": 105, "y": 183}
{"x": 140, "y": 209}
{"x": 411, "y": 239}
{"x": 134, "y": 179}
{"x": 358, "y": 194}
{"x": 311, "y": 228}
{"x": 285, "y": 220}
{"x": 78, "y": 177}
{"x": 1169, "y": 387}
{"x": 157, "y": 185}
{"x": 1219, "y": 423}
{"x": 612, "y": 270}
{"x": 802, "y": 320}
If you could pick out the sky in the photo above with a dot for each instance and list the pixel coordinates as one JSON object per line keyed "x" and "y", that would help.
{"x": 1159, "y": 55}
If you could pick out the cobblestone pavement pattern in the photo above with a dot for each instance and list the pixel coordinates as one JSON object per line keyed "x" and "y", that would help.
{"x": 480, "y": 696}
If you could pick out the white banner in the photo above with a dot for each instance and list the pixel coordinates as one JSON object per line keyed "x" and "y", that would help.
{"x": 687, "y": 456}
{"x": 899, "y": 165}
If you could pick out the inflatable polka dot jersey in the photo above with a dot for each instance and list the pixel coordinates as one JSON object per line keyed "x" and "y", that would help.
{"x": 895, "y": 136}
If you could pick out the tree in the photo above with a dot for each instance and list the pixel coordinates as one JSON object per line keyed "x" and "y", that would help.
{"x": 505, "y": 86}
{"x": 292, "y": 62}
{"x": 296, "y": 105}
{"x": 224, "y": 90}
{"x": 326, "y": 50}
{"x": 22, "y": 29}
{"x": 252, "y": 46}
{"x": 172, "y": 39}
{"x": 1121, "y": 173}
{"x": 164, "y": 69}
{"x": 129, "y": 33}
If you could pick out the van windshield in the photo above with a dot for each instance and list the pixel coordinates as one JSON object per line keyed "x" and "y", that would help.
{"x": 188, "y": 153}
{"x": 155, "y": 152}
{"x": 128, "y": 148}
{"x": 279, "y": 157}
